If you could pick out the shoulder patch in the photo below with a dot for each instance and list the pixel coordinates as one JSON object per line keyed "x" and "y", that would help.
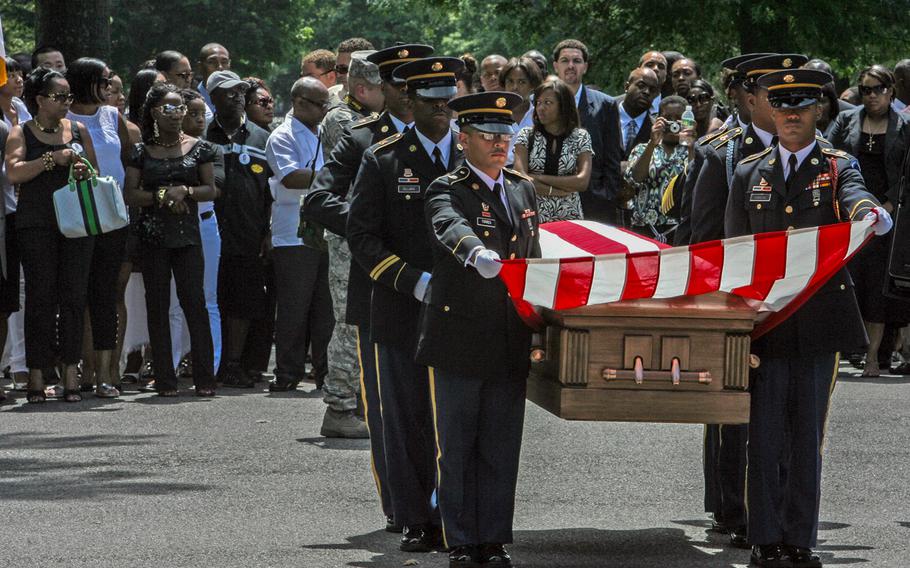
{"x": 708, "y": 138}
{"x": 756, "y": 156}
{"x": 459, "y": 174}
{"x": 388, "y": 142}
{"x": 837, "y": 153}
{"x": 365, "y": 121}
{"x": 724, "y": 137}
{"x": 518, "y": 174}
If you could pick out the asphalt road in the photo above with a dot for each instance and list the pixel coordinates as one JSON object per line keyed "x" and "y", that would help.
{"x": 245, "y": 480}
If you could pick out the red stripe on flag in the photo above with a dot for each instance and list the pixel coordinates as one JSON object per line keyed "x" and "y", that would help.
{"x": 831, "y": 249}
{"x": 513, "y": 274}
{"x": 706, "y": 262}
{"x": 587, "y": 240}
{"x": 573, "y": 284}
{"x": 770, "y": 265}
{"x": 642, "y": 270}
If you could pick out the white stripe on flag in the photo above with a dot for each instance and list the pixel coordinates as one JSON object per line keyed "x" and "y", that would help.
{"x": 632, "y": 242}
{"x": 673, "y": 278}
{"x": 858, "y": 233}
{"x": 609, "y": 279}
{"x": 802, "y": 260}
{"x": 540, "y": 283}
{"x": 553, "y": 246}
{"x": 739, "y": 261}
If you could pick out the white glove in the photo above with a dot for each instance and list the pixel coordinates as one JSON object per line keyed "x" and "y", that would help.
{"x": 883, "y": 221}
{"x": 420, "y": 289}
{"x": 487, "y": 263}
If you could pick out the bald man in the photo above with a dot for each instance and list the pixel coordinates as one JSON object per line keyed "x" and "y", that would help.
{"x": 642, "y": 87}
{"x": 655, "y": 61}
{"x": 683, "y": 73}
{"x": 212, "y": 57}
{"x": 489, "y": 72}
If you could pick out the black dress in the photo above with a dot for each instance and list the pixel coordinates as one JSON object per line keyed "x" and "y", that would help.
{"x": 170, "y": 245}
{"x": 870, "y": 265}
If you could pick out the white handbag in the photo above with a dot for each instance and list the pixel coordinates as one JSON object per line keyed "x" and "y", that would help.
{"x": 90, "y": 207}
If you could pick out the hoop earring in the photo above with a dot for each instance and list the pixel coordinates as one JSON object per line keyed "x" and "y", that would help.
{"x": 155, "y": 129}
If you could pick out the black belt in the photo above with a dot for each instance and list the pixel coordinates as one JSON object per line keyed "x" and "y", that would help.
{"x": 206, "y": 215}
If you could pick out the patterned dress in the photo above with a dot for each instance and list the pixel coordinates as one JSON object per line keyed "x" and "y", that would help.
{"x": 646, "y": 203}
{"x": 555, "y": 156}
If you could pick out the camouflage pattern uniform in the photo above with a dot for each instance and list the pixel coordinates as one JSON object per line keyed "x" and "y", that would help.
{"x": 342, "y": 385}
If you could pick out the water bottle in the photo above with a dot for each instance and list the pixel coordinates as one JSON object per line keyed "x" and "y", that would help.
{"x": 688, "y": 121}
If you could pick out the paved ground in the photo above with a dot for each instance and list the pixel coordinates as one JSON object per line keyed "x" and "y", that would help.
{"x": 244, "y": 480}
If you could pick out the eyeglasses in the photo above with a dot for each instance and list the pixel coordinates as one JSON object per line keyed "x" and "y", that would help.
{"x": 60, "y": 98}
{"x": 318, "y": 104}
{"x": 265, "y": 102}
{"x": 495, "y": 137}
{"x": 318, "y": 75}
{"x": 877, "y": 89}
{"x": 185, "y": 76}
{"x": 699, "y": 99}
{"x": 342, "y": 69}
{"x": 169, "y": 109}
{"x": 105, "y": 81}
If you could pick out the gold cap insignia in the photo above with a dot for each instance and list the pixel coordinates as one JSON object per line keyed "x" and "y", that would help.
{"x": 403, "y": 53}
{"x": 437, "y": 66}
{"x": 500, "y": 102}
{"x": 412, "y": 148}
{"x": 384, "y": 129}
{"x": 788, "y": 78}
{"x": 787, "y": 63}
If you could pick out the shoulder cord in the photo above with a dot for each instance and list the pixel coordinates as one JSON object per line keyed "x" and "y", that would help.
{"x": 834, "y": 179}
{"x": 730, "y": 151}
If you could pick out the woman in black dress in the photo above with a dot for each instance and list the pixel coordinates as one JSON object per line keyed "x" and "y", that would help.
{"x": 39, "y": 155}
{"x": 879, "y": 138}
{"x": 166, "y": 175}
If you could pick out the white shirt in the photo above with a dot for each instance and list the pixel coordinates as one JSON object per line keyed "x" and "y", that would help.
{"x": 291, "y": 146}
{"x": 625, "y": 119}
{"x": 763, "y": 135}
{"x": 578, "y": 94}
{"x": 399, "y": 124}
{"x": 444, "y": 145}
{"x": 800, "y": 156}
{"x": 104, "y": 128}
{"x": 898, "y": 105}
{"x": 9, "y": 192}
{"x": 655, "y": 104}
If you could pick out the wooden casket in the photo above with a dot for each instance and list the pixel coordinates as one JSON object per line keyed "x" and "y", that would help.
{"x": 678, "y": 360}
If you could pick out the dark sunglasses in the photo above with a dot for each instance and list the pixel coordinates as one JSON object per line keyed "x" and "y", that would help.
{"x": 877, "y": 89}
{"x": 105, "y": 81}
{"x": 61, "y": 97}
{"x": 265, "y": 102}
{"x": 185, "y": 76}
{"x": 699, "y": 99}
{"x": 169, "y": 109}
{"x": 317, "y": 104}
{"x": 343, "y": 69}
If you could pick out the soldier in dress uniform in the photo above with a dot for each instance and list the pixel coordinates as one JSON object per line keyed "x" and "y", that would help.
{"x": 796, "y": 184}
{"x": 327, "y": 205}
{"x": 471, "y": 336}
{"x": 725, "y": 445}
{"x": 390, "y": 240}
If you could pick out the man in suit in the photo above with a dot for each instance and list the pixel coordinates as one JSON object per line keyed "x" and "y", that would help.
{"x": 655, "y": 61}
{"x": 796, "y": 184}
{"x": 328, "y": 206}
{"x": 902, "y": 87}
{"x": 471, "y": 336}
{"x": 635, "y": 123}
{"x": 389, "y": 238}
{"x": 599, "y": 115}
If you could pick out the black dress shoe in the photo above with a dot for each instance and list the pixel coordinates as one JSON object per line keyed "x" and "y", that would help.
{"x": 465, "y": 556}
{"x": 738, "y": 538}
{"x": 802, "y": 557}
{"x": 770, "y": 556}
{"x": 420, "y": 538}
{"x": 391, "y": 526}
{"x": 494, "y": 555}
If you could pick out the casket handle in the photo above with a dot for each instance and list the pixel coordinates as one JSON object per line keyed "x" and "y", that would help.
{"x": 638, "y": 374}
{"x": 639, "y": 370}
{"x": 674, "y": 370}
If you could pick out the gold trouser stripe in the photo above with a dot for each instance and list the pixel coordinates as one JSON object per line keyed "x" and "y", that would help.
{"x": 383, "y": 266}
{"x": 395, "y": 284}
{"x": 366, "y": 414}
{"x": 821, "y": 446}
{"x": 432, "y": 374}
{"x": 378, "y": 382}
{"x": 860, "y": 202}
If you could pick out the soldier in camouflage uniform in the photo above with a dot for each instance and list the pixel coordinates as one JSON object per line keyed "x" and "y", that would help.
{"x": 364, "y": 96}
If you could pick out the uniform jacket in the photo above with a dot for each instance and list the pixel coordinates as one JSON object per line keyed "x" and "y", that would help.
{"x": 469, "y": 324}
{"x": 599, "y": 115}
{"x": 759, "y": 202}
{"x": 684, "y": 184}
{"x": 387, "y": 233}
{"x": 327, "y": 202}
{"x": 846, "y": 133}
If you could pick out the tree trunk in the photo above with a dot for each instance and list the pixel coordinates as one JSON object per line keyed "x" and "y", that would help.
{"x": 77, "y": 29}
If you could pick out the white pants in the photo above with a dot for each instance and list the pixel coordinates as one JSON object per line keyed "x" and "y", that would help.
{"x": 14, "y": 350}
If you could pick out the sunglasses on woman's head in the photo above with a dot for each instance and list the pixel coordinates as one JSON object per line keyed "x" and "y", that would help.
{"x": 877, "y": 89}
{"x": 169, "y": 109}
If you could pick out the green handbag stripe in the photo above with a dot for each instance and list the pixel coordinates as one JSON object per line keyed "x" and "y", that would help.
{"x": 89, "y": 208}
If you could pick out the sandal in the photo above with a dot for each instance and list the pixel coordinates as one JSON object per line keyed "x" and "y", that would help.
{"x": 205, "y": 391}
{"x": 35, "y": 396}
{"x": 902, "y": 369}
{"x": 148, "y": 387}
{"x": 129, "y": 379}
{"x": 105, "y": 390}
{"x": 72, "y": 395}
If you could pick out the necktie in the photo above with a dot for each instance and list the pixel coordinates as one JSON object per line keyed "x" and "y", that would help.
{"x": 791, "y": 175}
{"x": 437, "y": 158}
{"x": 631, "y": 131}
{"x": 406, "y": 128}
{"x": 774, "y": 140}
{"x": 497, "y": 190}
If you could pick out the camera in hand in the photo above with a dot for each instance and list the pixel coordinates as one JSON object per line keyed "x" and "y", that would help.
{"x": 673, "y": 127}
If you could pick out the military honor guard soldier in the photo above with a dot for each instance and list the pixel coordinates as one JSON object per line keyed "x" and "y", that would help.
{"x": 794, "y": 185}
{"x": 389, "y": 238}
{"x": 472, "y": 338}
{"x": 327, "y": 204}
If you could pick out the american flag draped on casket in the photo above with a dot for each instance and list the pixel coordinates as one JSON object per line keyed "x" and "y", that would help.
{"x": 585, "y": 263}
